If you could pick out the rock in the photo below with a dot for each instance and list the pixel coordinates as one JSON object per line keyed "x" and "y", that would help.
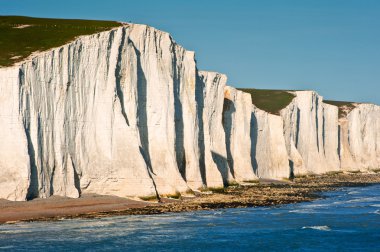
{"x": 268, "y": 145}
{"x": 311, "y": 134}
{"x": 360, "y": 138}
{"x": 14, "y": 159}
{"x": 126, "y": 112}
{"x": 104, "y": 114}
{"x": 217, "y": 171}
{"x": 237, "y": 117}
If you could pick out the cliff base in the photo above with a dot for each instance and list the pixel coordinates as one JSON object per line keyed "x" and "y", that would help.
{"x": 248, "y": 194}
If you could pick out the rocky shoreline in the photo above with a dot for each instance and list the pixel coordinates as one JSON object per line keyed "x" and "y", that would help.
{"x": 248, "y": 194}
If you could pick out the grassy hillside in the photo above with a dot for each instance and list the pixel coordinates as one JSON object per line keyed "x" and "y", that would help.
{"x": 20, "y": 36}
{"x": 344, "y": 106}
{"x": 271, "y": 101}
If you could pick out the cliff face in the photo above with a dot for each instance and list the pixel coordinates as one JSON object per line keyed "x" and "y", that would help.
{"x": 240, "y": 136}
{"x": 217, "y": 170}
{"x": 111, "y": 113}
{"x": 318, "y": 141}
{"x": 360, "y": 138}
{"x": 311, "y": 133}
{"x": 271, "y": 158}
{"x": 126, "y": 112}
{"x": 254, "y": 139}
{"x": 14, "y": 159}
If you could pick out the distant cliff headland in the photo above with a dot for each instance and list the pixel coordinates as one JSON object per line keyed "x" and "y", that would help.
{"x": 121, "y": 109}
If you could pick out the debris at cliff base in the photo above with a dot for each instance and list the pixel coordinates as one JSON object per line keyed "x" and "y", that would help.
{"x": 301, "y": 189}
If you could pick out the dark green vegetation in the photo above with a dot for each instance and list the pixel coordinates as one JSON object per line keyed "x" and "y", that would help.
{"x": 271, "y": 101}
{"x": 344, "y": 107}
{"x": 21, "y": 36}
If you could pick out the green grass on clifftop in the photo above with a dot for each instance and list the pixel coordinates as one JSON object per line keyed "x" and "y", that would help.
{"x": 344, "y": 106}
{"x": 21, "y": 36}
{"x": 271, "y": 101}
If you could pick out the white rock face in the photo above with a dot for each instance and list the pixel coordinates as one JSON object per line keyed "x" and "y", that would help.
{"x": 111, "y": 113}
{"x": 81, "y": 116}
{"x": 311, "y": 134}
{"x": 268, "y": 145}
{"x": 360, "y": 138}
{"x": 126, "y": 112}
{"x": 14, "y": 158}
{"x": 217, "y": 171}
{"x": 318, "y": 141}
{"x": 237, "y": 117}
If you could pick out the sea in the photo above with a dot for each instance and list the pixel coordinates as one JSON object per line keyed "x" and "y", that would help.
{"x": 344, "y": 220}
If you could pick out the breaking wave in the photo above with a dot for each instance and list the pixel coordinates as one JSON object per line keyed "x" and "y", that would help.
{"x": 321, "y": 228}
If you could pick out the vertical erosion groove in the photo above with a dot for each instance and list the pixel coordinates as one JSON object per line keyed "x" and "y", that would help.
{"x": 142, "y": 117}
{"x": 178, "y": 117}
{"x": 221, "y": 165}
{"x": 291, "y": 170}
{"x": 199, "y": 99}
{"x": 339, "y": 144}
{"x": 70, "y": 125}
{"x": 118, "y": 77}
{"x": 109, "y": 45}
{"x": 40, "y": 146}
{"x": 219, "y": 160}
{"x": 317, "y": 121}
{"x": 324, "y": 131}
{"x": 228, "y": 111}
{"x": 76, "y": 178}
{"x": 298, "y": 118}
{"x": 24, "y": 108}
{"x": 33, "y": 183}
{"x": 253, "y": 136}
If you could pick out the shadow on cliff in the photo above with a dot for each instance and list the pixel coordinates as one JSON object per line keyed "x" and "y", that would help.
{"x": 118, "y": 74}
{"x": 222, "y": 165}
{"x": 228, "y": 111}
{"x": 142, "y": 116}
{"x": 178, "y": 118}
{"x": 253, "y": 135}
{"x": 33, "y": 184}
{"x": 199, "y": 99}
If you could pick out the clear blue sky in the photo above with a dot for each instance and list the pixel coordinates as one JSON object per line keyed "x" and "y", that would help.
{"x": 332, "y": 46}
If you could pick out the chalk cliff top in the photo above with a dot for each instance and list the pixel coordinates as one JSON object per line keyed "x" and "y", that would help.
{"x": 344, "y": 107}
{"x": 271, "y": 101}
{"x": 22, "y": 36}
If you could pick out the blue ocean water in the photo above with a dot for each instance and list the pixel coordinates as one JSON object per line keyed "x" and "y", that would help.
{"x": 346, "y": 220}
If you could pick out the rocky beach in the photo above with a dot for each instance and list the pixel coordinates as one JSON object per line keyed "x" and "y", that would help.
{"x": 262, "y": 193}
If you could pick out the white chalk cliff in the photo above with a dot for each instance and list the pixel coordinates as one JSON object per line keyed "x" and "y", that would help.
{"x": 311, "y": 134}
{"x": 126, "y": 112}
{"x": 359, "y": 134}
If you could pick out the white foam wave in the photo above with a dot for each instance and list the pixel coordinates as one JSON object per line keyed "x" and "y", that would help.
{"x": 302, "y": 211}
{"x": 6, "y": 247}
{"x": 311, "y": 206}
{"x": 368, "y": 199}
{"x": 321, "y": 228}
{"x": 354, "y": 192}
{"x": 13, "y": 231}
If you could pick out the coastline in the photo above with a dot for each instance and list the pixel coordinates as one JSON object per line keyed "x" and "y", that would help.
{"x": 249, "y": 194}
